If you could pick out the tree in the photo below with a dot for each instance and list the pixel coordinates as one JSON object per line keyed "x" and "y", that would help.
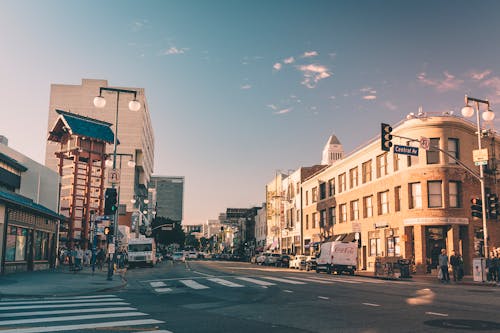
{"x": 167, "y": 237}
{"x": 192, "y": 242}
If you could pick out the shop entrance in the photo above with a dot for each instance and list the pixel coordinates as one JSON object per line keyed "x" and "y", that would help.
{"x": 436, "y": 240}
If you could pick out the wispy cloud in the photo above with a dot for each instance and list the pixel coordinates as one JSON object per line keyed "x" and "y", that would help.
{"x": 369, "y": 97}
{"x": 174, "y": 50}
{"x": 289, "y": 60}
{"x": 272, "y": 106}
{"x": 309, "y": 54}
{"x": 448, "y": 83}
{"x": 138, "y": 25}
{"x": 390, "y": 105}
{"x": 478, "y": 76}
{"x": 277, "y": 66}
{"x": 283, "y": 111}
{"x": 369, "y": 93}
{"x": 246, "y": 87}
{"x": 313, "y": 73}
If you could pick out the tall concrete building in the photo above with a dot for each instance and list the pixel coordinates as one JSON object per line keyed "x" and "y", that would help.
{"x": 169, "y": 196}
{"x": 134, "y": 132}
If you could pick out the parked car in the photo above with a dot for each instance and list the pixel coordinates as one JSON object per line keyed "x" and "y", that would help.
{"x": 272, "y": 259}
{"x": 295, "y": 261}
{"x": 261, "y": 258}
{"x": 308, "y": 264}
{"x": 178, "y": 256}
{"x": 283, "y": 261}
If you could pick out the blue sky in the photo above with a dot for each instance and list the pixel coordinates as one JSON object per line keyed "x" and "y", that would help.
{"x": 240, "y": 89}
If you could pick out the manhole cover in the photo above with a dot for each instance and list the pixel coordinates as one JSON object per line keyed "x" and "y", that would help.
{"x": 464, "y": 324}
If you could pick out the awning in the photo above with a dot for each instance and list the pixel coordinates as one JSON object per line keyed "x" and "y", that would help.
{"x": 346, "y": 238}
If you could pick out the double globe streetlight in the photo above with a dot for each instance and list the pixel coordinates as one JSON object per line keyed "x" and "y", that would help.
{"x": 133, "y": 105}
{"x": 488, "y": 115}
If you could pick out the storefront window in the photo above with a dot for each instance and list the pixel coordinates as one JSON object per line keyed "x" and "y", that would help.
{"x": 375, "y": 248}
{"x": 16, "y": 244}
{"x": 393, "y": 247}
{"x": 41, "y": 245}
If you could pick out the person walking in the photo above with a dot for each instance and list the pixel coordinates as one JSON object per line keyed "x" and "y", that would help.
{"x": 455, "y": 266}
{"x": 443, "y": 265}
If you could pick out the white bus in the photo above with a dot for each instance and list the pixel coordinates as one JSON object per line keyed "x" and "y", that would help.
{"x": 141, "y": 251}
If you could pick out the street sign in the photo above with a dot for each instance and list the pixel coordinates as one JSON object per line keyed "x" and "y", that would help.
{"x": 406, "y": 150}
{"x": 114, "y": 176}
{"x": 481, "y": 163}
{"x": 480, "y": 155}
{"x": 425, "y": 143}
{"x": 100, "y": 218}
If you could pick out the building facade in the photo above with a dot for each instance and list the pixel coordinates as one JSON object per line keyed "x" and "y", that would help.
{"x": 29, "y": 222}
{"x": 398, "y": 205}
{"x": 135, "y": 133}
{"x": 169, "y": 196}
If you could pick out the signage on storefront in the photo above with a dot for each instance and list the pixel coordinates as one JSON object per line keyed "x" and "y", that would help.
{"x": 436, "y": 221}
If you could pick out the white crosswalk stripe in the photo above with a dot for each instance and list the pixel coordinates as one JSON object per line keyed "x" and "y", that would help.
{"x": 69, "y": 314}
{"x": 283, "y": 280}
{"x": 193, "y": 284}
{"x": 225, "y": 282}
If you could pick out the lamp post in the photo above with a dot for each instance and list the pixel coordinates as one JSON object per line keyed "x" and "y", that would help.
{"x": 145, "y": 213}
{"x": 488, "y": 115}
{"x": 134, "y": 105}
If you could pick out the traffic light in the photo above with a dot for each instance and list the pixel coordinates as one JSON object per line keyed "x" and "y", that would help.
{"x": 476, "y": 208}
{"x": 110, "y": 201}
{"x": 492, "y": 208}
{"x": 386, "y": 137}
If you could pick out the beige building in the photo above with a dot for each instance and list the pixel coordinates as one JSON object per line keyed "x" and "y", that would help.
{"x": 401, "y": 205}
{"x": 135, "y": 133}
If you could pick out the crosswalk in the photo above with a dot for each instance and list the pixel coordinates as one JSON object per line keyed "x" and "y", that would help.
{"x": 201, "y": 283}
{"x": 63, "y": 314}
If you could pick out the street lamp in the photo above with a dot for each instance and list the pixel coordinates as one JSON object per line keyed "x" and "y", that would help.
{"x": 134, "y": 105}
{"x": 488, "y": 115}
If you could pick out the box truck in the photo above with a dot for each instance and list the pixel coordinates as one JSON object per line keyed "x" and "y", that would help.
{"x": 337, "y": 257}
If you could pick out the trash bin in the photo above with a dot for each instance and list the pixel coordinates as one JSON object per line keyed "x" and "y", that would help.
{"x": 404, "y": 268}
{"x": 479, "y": 269}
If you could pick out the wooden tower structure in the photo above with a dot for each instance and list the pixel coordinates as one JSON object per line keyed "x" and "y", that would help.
{"x": 82, "y": 156}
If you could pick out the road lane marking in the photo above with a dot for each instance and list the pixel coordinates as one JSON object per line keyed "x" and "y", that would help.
{"x": 323, "y": 297}
{"x": 114, "y": 298}
{"x": 163, "y": 290}
{"x": 311, "y": 280}
{"x": 66, "y": 318}
{"x": 204, "y": 274}
{"x": 159, "y": 331}
{"x": 371, "y": 304}
{"x": 53, "y": 312}
{"x": 26, "y": 307}
{"x": 283, "y": 280}
{"x": 287, "y": 291}
{"x": 437, "y": 314}
{"x": 225, "y": 282}
{"x": 259, "y": 282}
{"x": 193, "y": 284}
{"x": 64, "y": 328}
{"x": 157, "y": 284}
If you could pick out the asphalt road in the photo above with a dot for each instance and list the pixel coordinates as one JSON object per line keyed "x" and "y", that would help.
{"x": 212, "y": 296}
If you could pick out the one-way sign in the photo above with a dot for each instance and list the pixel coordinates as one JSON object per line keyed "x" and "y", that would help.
{"x": 406, "y": 150}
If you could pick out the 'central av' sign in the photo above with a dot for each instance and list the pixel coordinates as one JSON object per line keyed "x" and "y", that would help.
{"x": 406, "y": 150}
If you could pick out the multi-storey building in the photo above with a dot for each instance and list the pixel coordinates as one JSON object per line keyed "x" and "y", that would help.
{"x": 261, "y": 229}
{"x": 405, "y": 206}
{"x": 135, "y": 133}
{"x": 169, "y": 196}
{"x": 29, "y": 221}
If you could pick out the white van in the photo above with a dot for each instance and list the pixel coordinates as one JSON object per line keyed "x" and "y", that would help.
{"x": 337, "y": 257}
{"x": 141, "y": 251}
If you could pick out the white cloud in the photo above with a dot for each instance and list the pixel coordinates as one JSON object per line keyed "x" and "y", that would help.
{"x": 480, "y": 75}
{"x": 289, "y": 60}
{"x": 390, "y": 105}
{"x": 313, "y": 73}
{"x": 246, "y": 86}
{"x": 369, "y": 97}
{"x": 277, "y": 66}
{"x": 448, "y": 83}
{"x": 309, "y": 54}
{"x": 283, "y": 111}
{"x": 138, "y": 25}
{"x": 272, "y": 106}
{"x": 368, "y": 90}
{"x": 175, "y": 50}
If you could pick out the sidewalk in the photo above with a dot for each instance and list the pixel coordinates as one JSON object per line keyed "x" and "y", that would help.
{"x": 59, "y": 282}
{"x": 430, "y": 278}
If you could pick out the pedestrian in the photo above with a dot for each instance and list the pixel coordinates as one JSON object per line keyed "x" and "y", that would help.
{"x": 455, "y": 266}
{"x": 78, "y": 258}
{"x": 494, "y": 268}
{"x": 443, "y": 265}
{"x": 100, "y": 258}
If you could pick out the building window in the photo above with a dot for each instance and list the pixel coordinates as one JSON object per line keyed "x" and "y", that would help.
{"x": 322, "y": 218}
{"x": 434, "y": 190}
{"x": 298, "y": 216}
{"x": 15, "y": 249}
{"x": 307, "y": 198}
{"x": 41, "y": 245}
{"x": 314, "y": 220}
{"x": 307, "y": 221}
{"x": 393, "y": 247}
{"x": 331, "y": 216}
{"x": 455, "y": 191}
{"x": 354, "y": 210}
{"x": 415, "y": 200}
{"x": 343, "y": 213}
{"x": 433, "y": 154}
{"x": 342, "y": 183}
{"x": 314, "y": 194}
{"x": 331, "y": 187}
{"x": 453, "y": 150}
{"x": 353, "y": 177}
{"x": 367, "y": 171}
{"x": 368, "y": 206}
{"x": 397, "y": 198}
{"x": 381, "y": 165}
{"x": 383, "y": 199}
{"x": 411, "y": 160}
{"x": 322, "y": 191}
{"x": 375, "y": 248}
{"x": 398, "y": 162}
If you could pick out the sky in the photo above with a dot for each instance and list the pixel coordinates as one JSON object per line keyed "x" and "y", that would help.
{"x": 238, "y": 90}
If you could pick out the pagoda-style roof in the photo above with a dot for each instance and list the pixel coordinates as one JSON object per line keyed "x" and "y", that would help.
{"x": 81, "y": 126}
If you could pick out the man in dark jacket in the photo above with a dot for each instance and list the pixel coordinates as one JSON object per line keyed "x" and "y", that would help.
{"x": 456, "y": 263}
